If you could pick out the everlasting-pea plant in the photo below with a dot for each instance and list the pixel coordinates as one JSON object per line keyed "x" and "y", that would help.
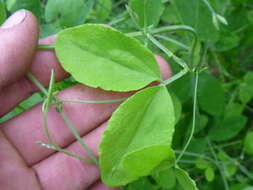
{"x": 143, "y": 125}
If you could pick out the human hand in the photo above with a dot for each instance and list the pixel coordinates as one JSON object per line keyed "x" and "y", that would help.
{"x": 23, "y": 163}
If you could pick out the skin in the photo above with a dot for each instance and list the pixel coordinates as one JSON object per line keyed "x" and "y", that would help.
{"x": 24, "y": 165}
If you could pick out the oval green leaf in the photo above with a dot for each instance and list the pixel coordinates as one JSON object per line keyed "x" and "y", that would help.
{"x": 185, "y": 180}
{"x": 165, "y": 179}
{"x": 227, "y": 128}
{"x": 138, "y": 137}
{"x": 248, "y": 143}
{"x": 209, "y": 174}
{"x": 210, "y": 90}
{"x": 147, "y": 12}
{"x": 99, "y": 56}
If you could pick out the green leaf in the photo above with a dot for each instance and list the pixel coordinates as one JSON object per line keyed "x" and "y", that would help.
{"x": 177, "y": 106}
{"x": 248, "y": 143}
{"x": 31, "y": 5}
{"x": 233, "y": 109}
{"x": 99, "y": 56}
{"x": 183, "y": 88}
{"x": 147, "y": 12}
{"x": 169, "y": 15}
{"x": 2, "y": 12}
{"x": 185, "y": 180}
{"x": 201, "y": 123}
{"x": 165, "y": 179}
{"x": 230, "y": 168}
{"x": 227, "y": 128}
{"x": 209, "y": 174}
{"x": 197, "y": 15}
{"x": 202, "y": 164}
{"x": 103, "y": 9}
{"x": 142, "y": 183}
{"x": 227, "y": 41}
{"x": 66, "y": 12}
{"x": 138, "y": 137}
{"x": 246, "y": 88}
{"x": 211, "y": 95}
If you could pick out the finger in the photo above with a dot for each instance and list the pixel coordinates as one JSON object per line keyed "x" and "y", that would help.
{"x": 85, "y": 117}
{"x": 64, "y": 172}
{"x": 164, "y": 67}
{"x": 41, "y": 67}
{"x": 100, "y": 186}
{"x": 13, "y": 167}
{"x": 18, "y": 36}
{"x": 27, "y": 129}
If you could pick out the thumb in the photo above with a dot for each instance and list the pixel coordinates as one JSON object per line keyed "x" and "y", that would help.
{"x": 18, "y": 42}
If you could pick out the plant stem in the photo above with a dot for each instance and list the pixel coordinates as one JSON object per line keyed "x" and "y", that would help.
{"x": 173, "y": 28}
{"x": 193, "y": 117}
{"x": 165, "y": 29}
{"x": 124, "y": 16}
{"x": 195, "y": 155}
{"x": 175, "y": 77}
{"x": 166, "y": 38}
{"x": 77, "y": 136}
{"x": 209, "y": 6}
{"x": 241, "y": 167}
{"x": 46, "y": 47}
{"x": 221, "y": 169}
{"x": 65, "y": 152}
{"x": 175, "y": 58}
{"x": 37, "y": 83}
{"x": 94, "y": 101}
{"x": 229, "y": 144}
{"x": 50, "y": 98}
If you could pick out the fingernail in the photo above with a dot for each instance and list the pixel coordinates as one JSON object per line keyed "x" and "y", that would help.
{"x": 15, "y": 19}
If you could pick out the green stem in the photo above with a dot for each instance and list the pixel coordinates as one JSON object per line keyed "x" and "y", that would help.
{"x": 50, "y": 98}
{"x": 37, "y": 83}
{"x": 172, "y": 29}
{"x": 94, "y": 101}
{"x": 165, "y": 29}
{"x": 77, "y": 136}
{"x": 193, "y": 118}
{"x": 65, "y": 152}
{"x": 241, "y": 167}
{"x": 195, "y": 155}
{"x": 122, "y": 18}
{"x": 229, "y": 144}
{"x": 175, "y": 58}
{"x": 168, "y": 39}
{"x": 175, "y": 77}
{"x": 221, "y": 169}
{"x": 46, "y": 47}
{"x": 209, "y": 6}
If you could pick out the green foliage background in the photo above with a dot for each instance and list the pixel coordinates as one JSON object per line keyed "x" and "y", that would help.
{"x": 220, "y": 154}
